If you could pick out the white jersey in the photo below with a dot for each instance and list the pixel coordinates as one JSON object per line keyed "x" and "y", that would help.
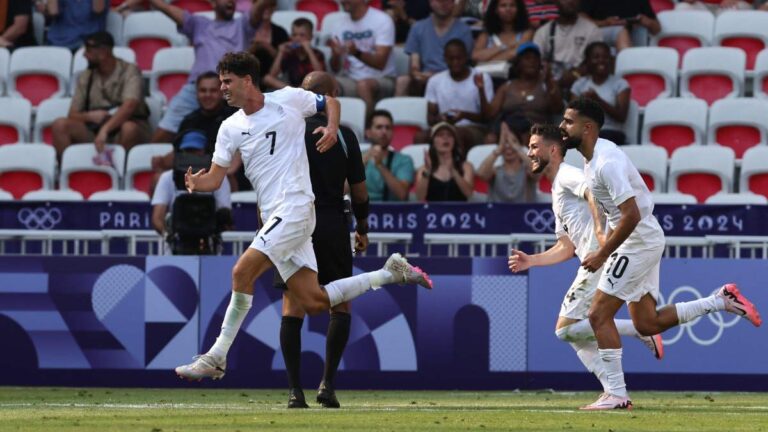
{"x": 573, "y": 217}
{"x": 613, "y": 179}
{"x": 271, "y": 143}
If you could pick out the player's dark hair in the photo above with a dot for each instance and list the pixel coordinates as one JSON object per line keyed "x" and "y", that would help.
{"x": 205, "y": 76}
{"x": 457, "y": 155}
{"x": 303, "y": 22}
{"x": 551, "y": 133}
{"x": 589, "y": 109}
{"x": 492, "y": 21}
{"x": 378, "y": 113}
{"x": 241, "y": 64}
{"x": 457, "y": 43}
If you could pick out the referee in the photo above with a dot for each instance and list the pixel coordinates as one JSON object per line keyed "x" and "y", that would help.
{"x": 328, "y": 172}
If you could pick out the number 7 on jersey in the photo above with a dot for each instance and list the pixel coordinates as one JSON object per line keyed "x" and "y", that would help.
{"x": 273, "y": 135}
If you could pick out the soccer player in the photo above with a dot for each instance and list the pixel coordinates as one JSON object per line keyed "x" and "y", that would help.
{"x": 634, "y": 245}
{"x": 328, "y": 172}
{"x": 575, "y": 231}
{"x": 268, "y": 131}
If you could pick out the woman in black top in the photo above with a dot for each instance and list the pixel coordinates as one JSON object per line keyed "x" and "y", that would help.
{"x": 446, "y": 175}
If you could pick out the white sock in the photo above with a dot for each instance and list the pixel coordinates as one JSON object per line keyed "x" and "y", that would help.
{"x": 342, "y": 290}
{"x": 239, "y": 305}
{"x": 687, "y": 311}
{"x": 582, "y": 330}
{"x": 590, "y": 357}
{"x": 613, "y": 371}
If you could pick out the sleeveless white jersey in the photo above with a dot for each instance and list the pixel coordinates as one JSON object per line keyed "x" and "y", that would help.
{"x": 572, "y": 215}
{"x": 271, "y": 143}
{"x": 613, "y": 179}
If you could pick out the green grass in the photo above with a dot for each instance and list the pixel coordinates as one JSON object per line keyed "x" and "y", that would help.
{"x": 151, "y": 410}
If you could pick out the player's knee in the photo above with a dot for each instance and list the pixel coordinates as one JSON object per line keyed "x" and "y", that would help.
{"x": 562, "y": 333}
{"x": 240, "y": 274}
{"x": 596, "y": 318}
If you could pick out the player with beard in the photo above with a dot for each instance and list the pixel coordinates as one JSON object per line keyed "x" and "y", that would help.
{"x": 575, "y": 232}
{"x": 634, "y": 244}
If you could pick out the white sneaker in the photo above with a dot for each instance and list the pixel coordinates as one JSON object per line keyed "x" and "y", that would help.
{"x": 405, "y": 273}
{"x": 654, "y": 343}
{"x": 204, "y": 366}
{"x": 607, "y": 401}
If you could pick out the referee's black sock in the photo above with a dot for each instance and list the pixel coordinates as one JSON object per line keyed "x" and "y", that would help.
{"x": 290, "y": 344}
{"x": 336, "y": 341}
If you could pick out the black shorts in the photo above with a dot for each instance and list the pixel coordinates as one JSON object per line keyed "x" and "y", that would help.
{"x": 333, "y": 249}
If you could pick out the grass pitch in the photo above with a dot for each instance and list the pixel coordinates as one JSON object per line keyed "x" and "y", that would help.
{"x": 155, "y": 410}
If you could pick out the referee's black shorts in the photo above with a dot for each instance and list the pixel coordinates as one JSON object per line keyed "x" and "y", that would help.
{"x": 333, "y": 249}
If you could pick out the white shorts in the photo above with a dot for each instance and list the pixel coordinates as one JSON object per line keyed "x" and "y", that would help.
{"x": 579, "y": 297}
{"x": 286, "y": 239}
{"x": 631, "y": 273}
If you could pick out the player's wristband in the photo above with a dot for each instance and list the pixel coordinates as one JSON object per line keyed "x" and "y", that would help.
{"x": 361, "y": 210}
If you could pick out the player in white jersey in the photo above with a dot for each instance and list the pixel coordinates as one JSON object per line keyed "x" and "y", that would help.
{"x": 268, "y": 131}
{"x": 575, "y": 231}
{"x": 634, "y": 245}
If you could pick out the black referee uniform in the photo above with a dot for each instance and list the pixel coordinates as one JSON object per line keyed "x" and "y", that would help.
{"x": 333, "y": 251}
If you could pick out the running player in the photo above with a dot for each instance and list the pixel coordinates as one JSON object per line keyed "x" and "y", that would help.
{"x": 634, "y": 245}
{"x": 268, "y": 131}
{"x": 575, "y": 232}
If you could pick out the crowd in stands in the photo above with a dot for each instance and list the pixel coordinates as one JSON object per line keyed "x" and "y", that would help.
{"x": 485, "y": 70}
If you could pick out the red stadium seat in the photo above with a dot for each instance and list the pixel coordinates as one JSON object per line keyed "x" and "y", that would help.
{"x": 745, "y": 30}
{"x": 738, "y": 123}
{"x": 662, "y": 5}
{"x": 193, "y": 5}
{"x": 754, "y": 171}
{"x": 39, "y": 73}
{"x": 79, "y": 173}
{"x": 650, "y": 71}
{"x": 319, "y": 7}
{"x": 673, "y": 123}
{"x": 26, "y": 167}
{"x": 713, "y": 73}
{"x": 701, "y": 171}
{"x": 20, "y": 182}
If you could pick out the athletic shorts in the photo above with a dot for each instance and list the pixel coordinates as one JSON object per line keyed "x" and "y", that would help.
{"x": 578, "y": 299}
{"x": 332, "y": 246}
{"x": 630, "y": 273}
{"x": 286, "y": 239}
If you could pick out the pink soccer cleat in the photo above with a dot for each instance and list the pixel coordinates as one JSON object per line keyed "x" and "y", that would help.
{"x": 654, "y": 343}
{"x": 736, "y": 303}
{"x": 406, "y": 273}
{"x": 607, "y": 401}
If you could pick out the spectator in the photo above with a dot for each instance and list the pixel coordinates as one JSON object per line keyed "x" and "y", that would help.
{"x": 713, "y": 6}
{"x": 361, "y": 51}
{"x": 295, "y": 58}
{"x": 207, "y": 118}
{"x": 388, "y": 174}
{"x": 474, "y": 10}
{"x": 540, "y": 12}
{"x": 446, "y": 175}
{"x": 425, "y": 44}
{"x": 398, "y": 11}
{"x": 16, "y": 26}
{"x": 531, "y": 91}
{"x": 268, "y": 36}
{"x": 70, "y": 20}
{"x": 211, "y": 39}
{"x": 453, "y": 97}
{"x": 617, "y": 19}
{"x": 608, "y": 90}
{"x": 108, "y": 104}
{"x": 510, "y": 182}
{"x": 562, "y": 41}
{"x": 506, "y": 27}
{"x": 167, "y": 190}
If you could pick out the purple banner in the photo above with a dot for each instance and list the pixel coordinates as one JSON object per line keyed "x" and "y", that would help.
{"x": 696, "y": 220}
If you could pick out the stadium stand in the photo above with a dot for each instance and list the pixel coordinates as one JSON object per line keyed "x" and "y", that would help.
{"x": 684, "y": 30}
{"x": 170, "y": 71}
{"x": 743, "y": 198}
{"x": 15, "y": 118}
{"x": 79, "y": 173}
{"x": 119, "y": 195}
{"x": 320, "y": 8}
{"x": 713, "y": 73}
{"x": 37, "y": 80}
{"x": 745, "y": 30}
{"x": 410, "y": 117}
{"x": 738, "y": 123}
{"x": 148, "y": 32}
{"x": 674, "y": 123}
{"x": 48, "y": 111}
{"x": 26, "y": 167}
{"x": 138, "y": 167}
{"x": 651, "y": 162}
{"x": 650, "y": 71}
{"x": 754, "y": 171}
{"x": 53, "y": 195}
{"x": 701, "y": 171}
{"x": 353, "y": 114}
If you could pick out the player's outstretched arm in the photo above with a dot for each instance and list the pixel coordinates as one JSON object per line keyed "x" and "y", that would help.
{"x": 205, "y": 180}
{"x": 630, "y": 217}
{"x": 333, "y": 112}
{"x": 563, "y": 250}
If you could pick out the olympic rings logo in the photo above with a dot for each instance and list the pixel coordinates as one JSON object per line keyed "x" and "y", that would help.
{"x": 715, "y": 318}
{"x": 40, "y": 218}
{"x": 540, "y": 222}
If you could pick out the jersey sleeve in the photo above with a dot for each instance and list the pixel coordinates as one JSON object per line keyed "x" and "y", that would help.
{"x": 225, "y": 147}
{"x": 559, "y": 230}
{"x": 575, "y": 183}
{"x": 303, "y": 101}
{"x": 613, "y": 175}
